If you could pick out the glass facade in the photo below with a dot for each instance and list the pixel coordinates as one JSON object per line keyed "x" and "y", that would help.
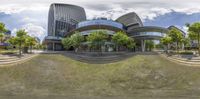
{"x": 149, "y": 34}
{"x": 100, "y": 22}
{"x": 91, "y": 31}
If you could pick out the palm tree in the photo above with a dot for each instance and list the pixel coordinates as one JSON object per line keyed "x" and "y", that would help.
{"x": 21, "y": 37}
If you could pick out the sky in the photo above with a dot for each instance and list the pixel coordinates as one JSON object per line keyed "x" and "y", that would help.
{"x": 32, "y": 15}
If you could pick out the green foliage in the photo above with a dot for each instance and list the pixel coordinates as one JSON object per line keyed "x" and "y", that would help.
{"x": 21, "y": 38}
{"x": 166, "y": 40}
{"x": 13, "y": 41}
{"x": 186, "y": 53}
{"x": 30, "y": 41}
{"x": 149, "y": 44}
{"x": 195, "y": 28}
{"x": 130, "y": 43}
{"x": 74, "y": 40}
{"x": 194, "y": 33}
{"x": 120, "y": 38}
{"x": 97, "y": 39}
{"x": 2, "y": 31}
{"x": 175, "y": 35}
{"x": 186, "y": 41}
{"x": 2, "y": 28}
{"x": 1, "y": 37}
{"x": 67, "y": 42}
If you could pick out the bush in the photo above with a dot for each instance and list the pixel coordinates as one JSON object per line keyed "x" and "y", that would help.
{"x": 186, "y": 53}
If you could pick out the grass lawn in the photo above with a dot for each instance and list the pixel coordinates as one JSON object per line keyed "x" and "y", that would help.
{"x": 10, "y": 51}
{"x": 142, "y": 76}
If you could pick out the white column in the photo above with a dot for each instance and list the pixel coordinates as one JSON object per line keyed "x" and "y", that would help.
{"x": 53, "y": 46}
{"x": 143, "y": 45}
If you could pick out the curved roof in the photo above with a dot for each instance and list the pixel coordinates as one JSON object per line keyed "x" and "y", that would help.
{"x": 148, "y": 32}
{"x": 172, "y": 26}
{"x": 148, "y": 29}
{"x": 66, "y": 5}
{"x": 94, "y": 27}
{"x": 130, "y": 19}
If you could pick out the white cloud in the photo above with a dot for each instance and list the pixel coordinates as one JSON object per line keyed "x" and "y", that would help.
{"x": 108, "y": 8}
{"x": 13, "y": 32}
{"x": 17, "y": 8}
{"x": 185, "y": 29}
{"x": 146, "y": 9}
{"x": 28, "y": 19}
{"x": 34, "y": 30}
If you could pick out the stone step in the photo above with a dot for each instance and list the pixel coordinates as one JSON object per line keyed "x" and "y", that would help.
{"x": 7, "y": 60}
{"x": 16, "y": 61}
{"x": 185, "y": 62}
{"x": 188, "y": 60}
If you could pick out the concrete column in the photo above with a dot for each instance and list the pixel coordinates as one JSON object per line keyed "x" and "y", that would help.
{"x": 143, "y": 45}
{"x": 53, "y": 46}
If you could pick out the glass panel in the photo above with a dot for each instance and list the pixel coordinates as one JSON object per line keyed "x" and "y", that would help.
{"x": 100, "y": 22}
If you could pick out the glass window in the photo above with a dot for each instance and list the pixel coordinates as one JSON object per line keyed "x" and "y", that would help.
{"x": 100, "y": 22}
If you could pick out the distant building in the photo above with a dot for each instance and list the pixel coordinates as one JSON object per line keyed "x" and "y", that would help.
{"x": 37, "y": 39}
{"x": 7, "y": 35}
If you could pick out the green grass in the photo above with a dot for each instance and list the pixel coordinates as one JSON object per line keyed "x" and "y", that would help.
{"x": 3, "y": 51}
{"x": 140, "y": 75}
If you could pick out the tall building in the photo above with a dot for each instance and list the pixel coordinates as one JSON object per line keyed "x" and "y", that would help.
{"x": 62, "y": 19}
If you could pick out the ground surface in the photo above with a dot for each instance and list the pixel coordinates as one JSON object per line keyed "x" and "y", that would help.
{"x": 55, "y": 76}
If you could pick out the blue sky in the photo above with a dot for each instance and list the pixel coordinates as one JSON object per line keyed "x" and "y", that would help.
{"x": 32, "y": 14}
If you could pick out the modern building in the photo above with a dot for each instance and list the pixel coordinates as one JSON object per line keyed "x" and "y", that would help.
{"x": 62, "y": 19}
{"x": 65, "y": 19}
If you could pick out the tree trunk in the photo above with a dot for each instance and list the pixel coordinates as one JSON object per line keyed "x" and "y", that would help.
{"x": 31, "y": 48}
{"x": 117, "y": 48}
{"x": 177, "y": 47}
{"x": 167, "y": 48}
{"x": 20, "y": 49}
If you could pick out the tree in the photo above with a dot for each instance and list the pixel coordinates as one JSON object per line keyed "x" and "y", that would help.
{"x": 97, "y": 39}
{"x": 176, "y": 36}
{"x": 2, "y": 28}
{"x": 194, "y": 33}
{"x": 30, "y": 42}
{"x": 166, "y": 41}
{"x": 186, "y": 42}
{"x": 130, "y": 43}
{"x": 73, "y": 41}
{"x": 2, "y": 31}
{"x": 149, "y": 44}
{"x": 20, "y": 39}
{"x": 1, "y": 37}
{"x": 120, "y": 39}
{"x": 76, "y": 40}
{"x": 67, "y": 42}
